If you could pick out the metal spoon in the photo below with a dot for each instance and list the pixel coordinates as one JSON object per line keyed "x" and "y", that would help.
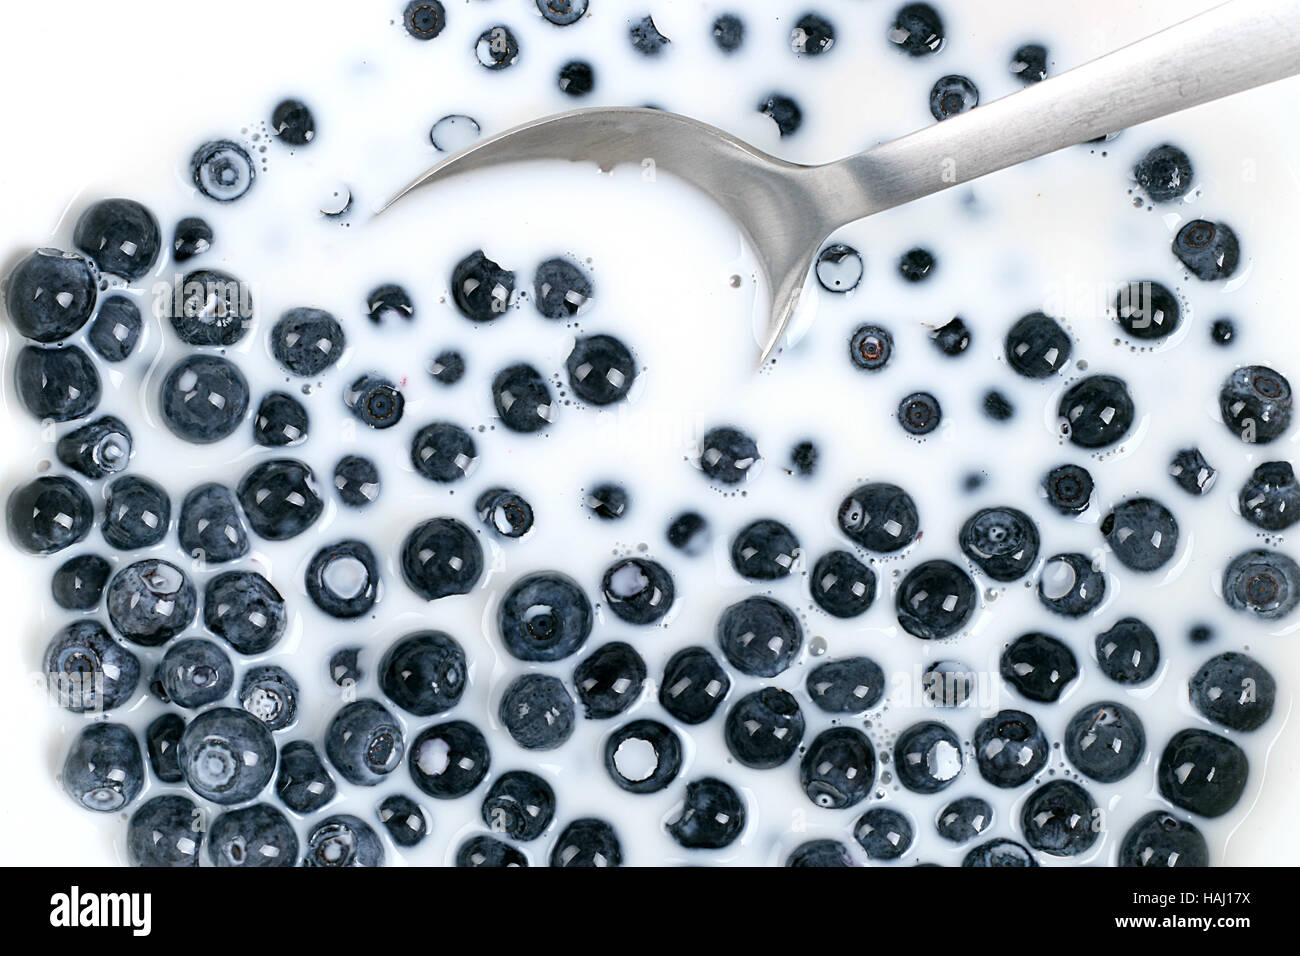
{"x": 786, "y": 210}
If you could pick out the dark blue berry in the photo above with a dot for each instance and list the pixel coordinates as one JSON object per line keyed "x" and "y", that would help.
{"x": 631, "y": 771}
{"x": 344, "y": 668}
{"x": 1036, "y": 346}
{"x": 884, "y": 833}
{"x": 917, "y": 30}
{"x": 952, "y": 95}
{"x": 759, "y": 636}
{"x": 210, "y": 527}
{"x": 952, "y": 338}
{"x": 764, "y": 550}
{"x": 375, "y": 401}
{"x": 270, "y": 694}
{"x": 1159, "y": 839}
{"x": 447, "y": 367}
{"x": 1192, "y": 472}
{"x": 279, "y": 498}
{"x": 964, "y": 819}
{"x": 223, "y": 170}
{"x": 1039, "y": 666}
{"x": 638, "y": 590}
{"x": 838, "y": 769}
{"x": 1069, "y": 585}
{"x": 203, "y": 398}
{"x": 820, "y": 853}
{"x": 927, "y": 757}
{"x": 727, "y": 454}
{"x": 165, "y": 831}
{"x": 587, "y": 842}
{"x": 919, "y": 413}
{"x": 544, "y": 616}
{"x": 344, "y": 840}
{"x": 764, "y": 729}
{"x": 443, "y": 452}
{"x": 522, "y": 399}
{"x": 948, "y": 683}
{"x": 87, "y": 671}
{"x": 1061, "y": 819}
{"x": 389, "y": 301}
{"x": 151, "y": 601}
{"x": 1202, "y": 773}
{"x": 56, "y": 384}
{"x": 997, "y": 406}
{"x": 849, "y": 686}
{"x": 537, "y": 711}
{"x": 916, "y": 265}
{"x": 870, "y": 347}
{"x": 292, "y": 122}
{"x": 227, "y": 755}
{"x": 1068, "y": 489}
{"x": 48, "y": 514}
{"x": 424, "y": 673}
{"x": 783, "y": 111}
{"x": 999, "y": 852}
{"x": 214, "y": 308}
{"x": 601, "y": 369}
{"x": 1029, "y": 63}
{"x": 560, "y": 288}
{"x": 608, "y": 501}
{"x": 1234, "y": 690}
{"x": 116, "y": 328}
{"x": 481, "y": 289}
{"x": 192, "y": 237}
{"x": 307, "y": 341}
{"x": 841, "y": 585}
{"x": 137, "y": 513}
{"x": 1010, "y": 748}
{"x": 1270, "y": 498}
{"x": 1142, "y": 533}
{"x": 424, "y": 19}
{"x": 161, "y": 739}
{"x": 646, "y": 38}
{"x": 486, "y": 851}
{"x": 689, "y": 532}
{"x": 1105, "y": 741}
{"x": 497, "y": 48}
{"x": 244, "y": 609}
{"x": 280, "y": 421}
{"x": 342, "y": 579}
{"x": 1164, "y": 173}
{"x": 1209, "y": 250}
{"x": 1002, "y": 541}
{"x": 50, "y": 295}
{"x": 812, "y": 35}
{"x": 506, "y": 512}
{"x": 103, "y": 770}
{"x": 562, "y": 12}
{"x": 1098, "y": 411}
{"x": 693, "y": 686}
{"x": 194, "y": 672}
{"x": 364, "y": 742}
{"x": 880, "y": 517}
{"x": 839, "y": 268}
{"x": 441, "y": 556}
{"x": 1255, "y": 403}
{"x": 1147, "y": 309}
{"x": 712, "y": 816}
{"x": 520, "y": 805}
{"x": 253, "y": 836}
{"x": 78, "y": 584}
{"x": 803, "y": 459}
{"x": 356, "y": 479}
{"x": 935, "y": 600}
{"x": 1222, "y": 331}
{"x": 303, "y": 783}
{"x": 449, "y": 760}
{"x": 404, "y": 819}
{"x": 728, "y": 32}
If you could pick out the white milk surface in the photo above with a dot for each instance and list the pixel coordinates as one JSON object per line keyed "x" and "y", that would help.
{"x": 1058, "y": 234}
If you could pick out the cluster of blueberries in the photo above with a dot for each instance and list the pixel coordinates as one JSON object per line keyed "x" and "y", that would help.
{"x": 228, "y": 752}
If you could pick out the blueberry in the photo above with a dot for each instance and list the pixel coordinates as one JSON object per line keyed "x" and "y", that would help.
{"x": 764, "y": 728}
{"x": 1105, "y": 741}
{"x": 86, "y": 671}
{"x": 544, "y": 616}
{"x": 103, "y": 769}
{"x": 764, "y": 550}
{"x": 1039, "y": 666}
{"x": 497, "y": 48}
{"x": 870, "y": 347}
{"x": 952, "y": 95}
{"x": 447, "y": 367}
{"x": 213, "y": 308}
{"x": 304, "y": 784}
{"x": 151, "y": 601}
{"x": 203, "y": 398}
{"x": 1002, "y": 541}
{"x": 608, "y": 501}
{"x": 137, "y": 513}
{"x": 307, "y": 341}
{"x": 917, "y": 30}
{"x": 638, "y": 590}
{"x": 1192, "y": 472}
{"x": 192, "y": 237}
{"x": 50, "y": 295}
{"x": 689, "y": 532}
{"x": 520, "y": 805}
{"x": 49, "y": 514}
{"x": 562, "y": 12}
{"x": 646, "y": 38}
{"x": 601, "y": 369}
{"x": 948, "y": 683}
{"x": 161, "y": 739}
{"x": 812, "y": 35}
{"x": 1255, "y": 403}
{"x": 1202, "y": 773}
{"x": 344, "y": 840}
{"x": 560, "y": 288}
{"x": 1068, "y": 489}
{"x": 440, "y": 557}
{"x": 1010, "y": 748}
{"x": 1222, "y": 331}
{"x": 587, "y": 842}
{"x": 915, "y": 265}
{"x": 952, "y": 338}
{"x": 364, "y": 742}
{"x": 252, "y": 836}
{"x": 999, "y": 852}
{"x": 884, "y": 833}
{"x": 375, "y": 401}
{"x": 356, "y": 479}
{"x": 1209, "y": 250}
{"x": 443, "y": 452}
{"x": 1200, "y": 634}
{"x": 193, "y": 673}
{"x": 279, "y": 498}
{"x": 1098, "y": 410}
{"x": 643, "y": 756}
{"x": 537, "y": 711}
{"x": 820, "y": 853}
{"x": 838, "y": 769}
{"x": 522, "y": 399}
{"x": 404, "y": 819}
{"x": 1147, "y": 309}
{"x": 56, "y": 384}
{"x": 728, "y": 454}
{"x": 1270, "y": 498}
{"x": 280, "y": 421}
{"x": 293, "y": 123}
{"x": 486, "y": 851}
{"x": 577, "y": 78}
{"x": 78, "y": 584}
{"x": 424, "y": 19}
{"x": 165, "y": 831}
{"x": 693, "y": 686}
{"x": 481, "y": 289}
{"x": 919, "y": 413}
{"x": 1160, "y": 839}
{"x": 424, "y": 673}
{"x": 1142, "y": 533}
{"x": 839, "y": 268}
{"x": 728, "y": 32}
{"x": 1069, "y": 585}
{"x": 880, "y": 517}
{"x": 1165, "y": 173}
{"x": 226, "y": 755}
{"x": 1061, "y": 819}
{"x": 841, "y": 585}
{"x": 505, "y": 512}
{"x": 270, "y": 694}
{"x": 927, "y": 757}
{"x": 712, "y": 816}
{"x": 1037, "y": 347}
{"x": 116, "y": 328}
{"x": 210, "y": 527}
{"x": 342, "y": 579}
{"x": 344, "y": 668}
{"x": 449, "y": 760}
{"x": 223, "y": 170}
{"x": 759, "y": 636}
{"x": 935, "y": 600}
{"x": 1029, "y": 63}
{"x": 1234, "y": 690}
{"x": 783, "y": 111}
{"x": 964, "y": 819}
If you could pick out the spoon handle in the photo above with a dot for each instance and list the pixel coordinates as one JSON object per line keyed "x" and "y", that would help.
{"x": 1233, "y": 47}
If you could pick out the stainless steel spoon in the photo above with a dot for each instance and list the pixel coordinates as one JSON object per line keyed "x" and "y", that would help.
{"x": 786, "y": 210}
